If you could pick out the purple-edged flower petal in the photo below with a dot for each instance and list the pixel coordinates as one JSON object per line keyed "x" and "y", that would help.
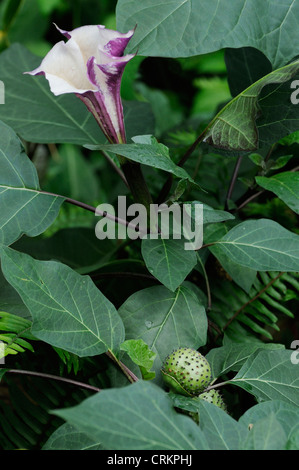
{"x": 107, "y": 75}
{"x": 65, "y": 70}
{"x": 90, "y": 64}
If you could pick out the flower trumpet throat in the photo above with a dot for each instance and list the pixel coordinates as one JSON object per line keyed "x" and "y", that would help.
{"x": 90, "y": 64}
{"x": 187, "y": 372}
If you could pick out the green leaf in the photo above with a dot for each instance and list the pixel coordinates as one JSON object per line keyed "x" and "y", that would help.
{"x": 286, "y": 414}
{"x": 280, "y": 162}
{"x": 139, "y": 118}
{"x": 67, "y": 309}
{"x": 221, "y": 430}
{"x": 77, "y": 247}
{"x": 72, "y": 174}
{"x": 182, "y": 28}
{"x": 34, "y": 112}
{"x": 234, "y": 127}
{"x": 137, "y": 417}
{"x": 241, "y": 275}
{"x": 2, "y": 372}
{"x": 185, "y": 403}
{"x": 37, "y": 115}
{"x": 10, "y": 12}
{"x": 232, "y": 356}
{"x": 293, "y": 442}
{"x": 285, "y": 186}
{"x": 167, "y": 116}
{"x": 168, "y": 260}
{"x": 10, "y": 300}
{"x": 24, "y": 208}
{"x": 166, "y": 320}
{"x": 67, "y": 437}
{"x": 245, "y": 66}
{"x": 262, "y": 244}
{"x": 140, "y": 354}
{"x": 290, "y": 139}
{"x": 266, "y": 434}
{"x": 151, "y": 153}
{"x": 210, "y": 215}
{"x": 270, "y": 375}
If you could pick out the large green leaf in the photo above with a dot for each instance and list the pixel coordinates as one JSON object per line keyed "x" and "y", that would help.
{"x": 234, "y": 127}
{"x": 71, "y": 173}
{"x": 39, "y": 116}
{"x": 270, "y": 375}
{"x": 140, "y": 354}
{"x": 286, "y": 414}
{"x": 137, "y": 417}
{"x": 285, "y": 186}
{"x": 262, "y": 244}
{"x": 24, "y": 208}
{"x": 245, "y": 66}
{"x": 266, "y": 434}
{"x": 279, "y": 116}
{"x": 10, "y": 300}
{"x": 67, "y": 309}
{"x": 151, "y": 153}
{"x": 181, "y": 28}
{"x": 77, "y": 247}
{"x": 166, "y": 320}
{"x": 221, "y": 430}
{"x": 168, "y": 260}
{"x": 233, "y": 355}
{"x": 67, "y": 437}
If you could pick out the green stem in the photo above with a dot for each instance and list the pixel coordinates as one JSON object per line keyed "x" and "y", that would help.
{"x": 128, "y": 373}
{"x": 137, "y": 184}
{"x": 167, "y": 186}
{"x": 206, "y": 280}
{"x": 54, "y": 377}
{"x": 220, "y": 384}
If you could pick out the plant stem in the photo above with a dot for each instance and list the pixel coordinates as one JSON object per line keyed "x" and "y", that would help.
{"x": 128, "y": 373}
{"x": 167, "y": 186}
{"x": 115, "y": 167}
{"x": 54, "y": 377}
{"x": 123, "y": 274}
{"x": 207, "y": 282}
{"x": 89, "y": 208}
{"x": 233, "y": 181}
{"x": 220, "y": 384}
{"x": 248, "y": 200}
{"x": 137, "y": 184}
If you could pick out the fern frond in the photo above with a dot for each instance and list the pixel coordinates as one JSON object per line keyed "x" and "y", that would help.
{"x": 257, "y": 312}
{"x": 18, "y": 332}
{"x": 70, "y": 360}
{"x": 26, "y": 421}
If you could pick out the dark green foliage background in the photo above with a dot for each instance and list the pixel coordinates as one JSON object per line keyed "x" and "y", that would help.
{"x": 238, "y": 306}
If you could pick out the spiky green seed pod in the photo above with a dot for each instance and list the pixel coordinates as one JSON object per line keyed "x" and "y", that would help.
{"x": 213, "y": 396}
{"x": 187, "y": 372}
